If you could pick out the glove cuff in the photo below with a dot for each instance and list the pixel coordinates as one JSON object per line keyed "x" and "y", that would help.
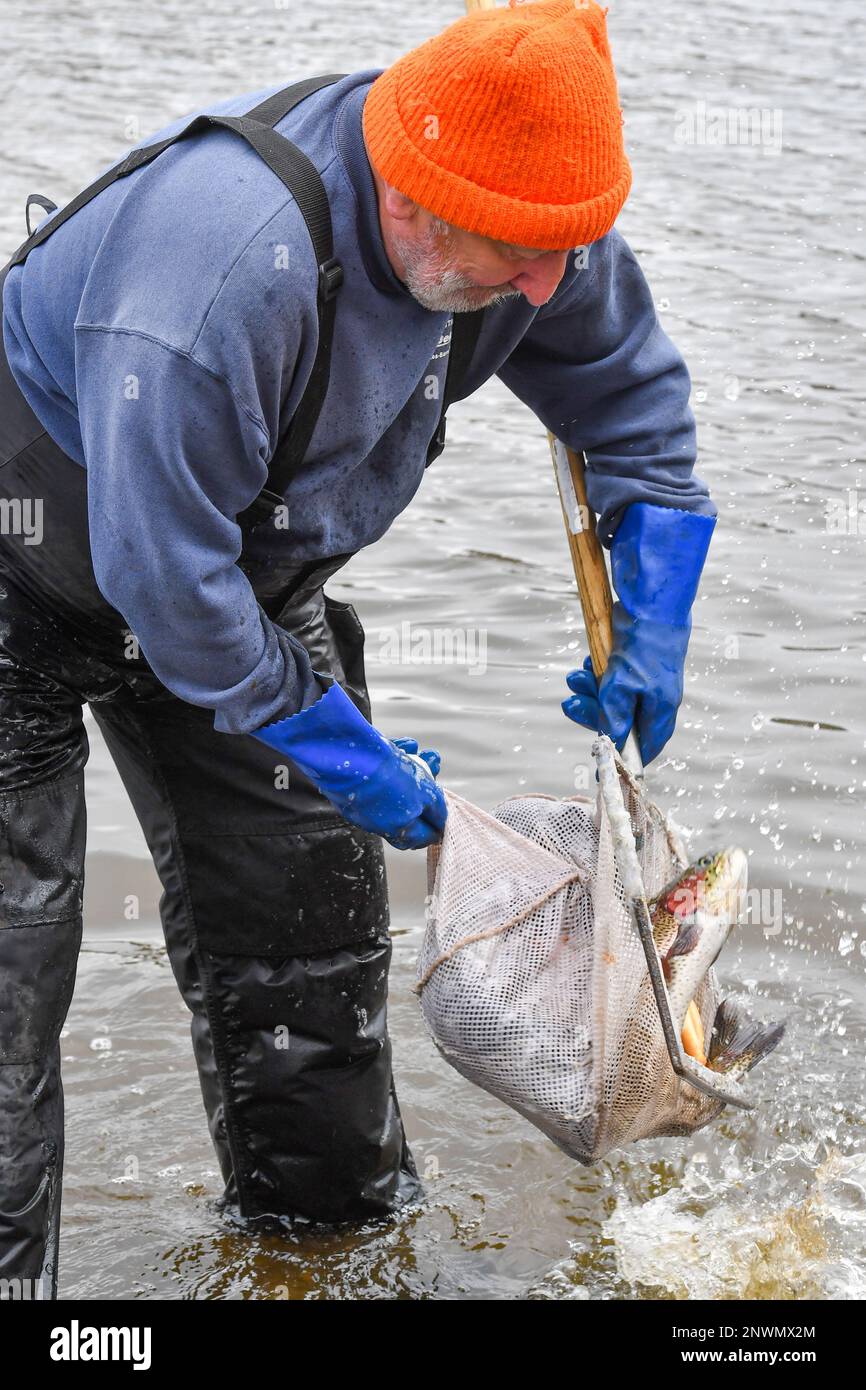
{"x": 657, "y": 556}
{"x": 330, "y": 741}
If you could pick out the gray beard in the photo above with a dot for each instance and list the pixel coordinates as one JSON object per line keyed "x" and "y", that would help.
{"x": 430, "y": 277}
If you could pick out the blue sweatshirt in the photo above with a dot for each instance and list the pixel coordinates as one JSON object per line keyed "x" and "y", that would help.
{"x": 164, "y": 335}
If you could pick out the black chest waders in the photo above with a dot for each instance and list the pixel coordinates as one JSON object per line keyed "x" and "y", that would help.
{"x": 274, "y": 909}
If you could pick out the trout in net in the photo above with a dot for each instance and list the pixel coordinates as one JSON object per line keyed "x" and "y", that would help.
{"x": 533, "y": 979}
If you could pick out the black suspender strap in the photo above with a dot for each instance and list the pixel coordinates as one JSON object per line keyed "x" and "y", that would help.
{"x": 272, "y": 110}
{"x": 465, "y": 328}
{"x": 281, "y": 103}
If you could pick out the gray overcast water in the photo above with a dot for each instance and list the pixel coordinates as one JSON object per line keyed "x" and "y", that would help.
{"x": 756, "y": 259}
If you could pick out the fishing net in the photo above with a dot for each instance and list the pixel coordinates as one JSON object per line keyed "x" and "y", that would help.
{"x": 532, "y": 976}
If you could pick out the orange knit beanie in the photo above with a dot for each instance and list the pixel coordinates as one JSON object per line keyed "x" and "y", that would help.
{"x": 507, "y": 124}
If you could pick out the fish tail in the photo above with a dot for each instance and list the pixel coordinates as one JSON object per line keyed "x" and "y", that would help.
{"x": 740, "y": 1042}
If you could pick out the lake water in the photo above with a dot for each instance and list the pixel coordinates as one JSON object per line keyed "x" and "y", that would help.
{"x": 755, "y": 251}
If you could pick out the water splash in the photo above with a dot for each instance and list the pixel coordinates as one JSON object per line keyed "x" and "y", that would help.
{"x": 685, "y": 1244}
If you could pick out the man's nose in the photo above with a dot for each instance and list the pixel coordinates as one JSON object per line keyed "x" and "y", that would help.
{"x": 539, "y": 277}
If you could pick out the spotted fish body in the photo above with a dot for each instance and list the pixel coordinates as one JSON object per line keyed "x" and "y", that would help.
{"x": 692, "y": 919}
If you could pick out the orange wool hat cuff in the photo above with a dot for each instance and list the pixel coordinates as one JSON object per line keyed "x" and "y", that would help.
{"x": 507, "y": 124}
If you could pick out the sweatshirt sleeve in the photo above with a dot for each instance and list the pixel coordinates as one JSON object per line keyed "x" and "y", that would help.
{"x": 172, "y": 457}
{"x": 600, "y": 372}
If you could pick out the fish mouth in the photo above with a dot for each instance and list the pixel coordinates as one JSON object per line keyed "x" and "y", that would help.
{"x": 727, "y": 868}
{"x": 727, "y": 894}
{"x": 737, "y": 866}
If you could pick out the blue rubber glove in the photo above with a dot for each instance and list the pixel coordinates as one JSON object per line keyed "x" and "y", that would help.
{"x": 371, "y": 781}
{"x": 657, "y": 555}
{"x": 430, "y": 756}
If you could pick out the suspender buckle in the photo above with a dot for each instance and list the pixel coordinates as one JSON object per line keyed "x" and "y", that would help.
{"x": 40, "y": 202}
{"x": 129, "y": 164}
{"x": 330, "y": 278}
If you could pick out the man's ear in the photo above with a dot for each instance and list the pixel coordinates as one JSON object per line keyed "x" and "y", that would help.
{"x": 397, "y": 205}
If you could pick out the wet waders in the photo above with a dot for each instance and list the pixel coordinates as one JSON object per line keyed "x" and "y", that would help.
{"x": 274, "y": 908}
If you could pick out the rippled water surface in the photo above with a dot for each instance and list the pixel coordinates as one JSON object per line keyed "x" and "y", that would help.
{"x": 755, "y": 256}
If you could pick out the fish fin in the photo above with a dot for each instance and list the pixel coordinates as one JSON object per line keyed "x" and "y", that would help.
{"x": 692, "y": 1034}
{"x": 684, "y": 943}
{"x": 738, "y": 1041}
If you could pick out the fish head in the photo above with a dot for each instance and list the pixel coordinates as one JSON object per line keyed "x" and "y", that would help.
{"x": 712, "y": 887}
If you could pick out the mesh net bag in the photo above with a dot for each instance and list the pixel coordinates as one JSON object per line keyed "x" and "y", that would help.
{"x": 533, "y": 979}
